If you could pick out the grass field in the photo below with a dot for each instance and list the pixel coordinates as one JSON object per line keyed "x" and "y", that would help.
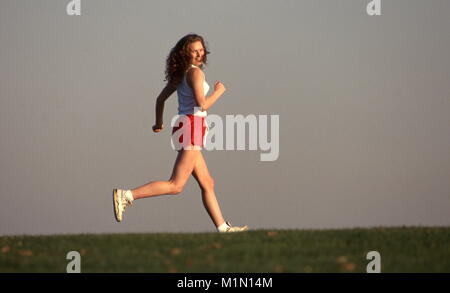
{"x": 402, "y": 249}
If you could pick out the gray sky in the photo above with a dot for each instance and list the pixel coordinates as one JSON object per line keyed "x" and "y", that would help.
{"x": 364, "y": 106}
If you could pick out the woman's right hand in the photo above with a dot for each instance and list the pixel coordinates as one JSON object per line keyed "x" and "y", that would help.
{"x": 157, "y": 128}
{"x": 219, "y": 87}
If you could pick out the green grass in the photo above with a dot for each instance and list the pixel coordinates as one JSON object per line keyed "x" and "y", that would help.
{"x": 403, "y": 249}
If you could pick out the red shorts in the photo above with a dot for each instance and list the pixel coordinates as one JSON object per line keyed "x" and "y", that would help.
{"x": 191, "y": 131}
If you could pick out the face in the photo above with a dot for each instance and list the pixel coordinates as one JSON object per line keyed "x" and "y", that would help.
{"x": 197, "y": 52}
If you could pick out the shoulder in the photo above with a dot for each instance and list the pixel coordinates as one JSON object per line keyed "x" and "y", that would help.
{"x": 195, "y": 74}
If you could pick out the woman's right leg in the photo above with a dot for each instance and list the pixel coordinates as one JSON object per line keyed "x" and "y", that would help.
{"x": 206, "y": 182}
{"x": 183, "y": 167}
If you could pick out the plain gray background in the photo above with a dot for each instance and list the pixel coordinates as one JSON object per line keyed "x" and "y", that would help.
{"x": 364, "y": 105}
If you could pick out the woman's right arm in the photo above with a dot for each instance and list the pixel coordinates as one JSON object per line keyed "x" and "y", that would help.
{"x": 195, "y": 76}
{"x": 168, "y": 90}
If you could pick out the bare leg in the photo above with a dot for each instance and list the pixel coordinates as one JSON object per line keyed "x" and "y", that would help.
{"x": 182, "y": 169}
{"x": 206, "y": 182}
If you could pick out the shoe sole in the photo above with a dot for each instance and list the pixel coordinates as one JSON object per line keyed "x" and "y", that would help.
{"x": 244, "y": 229}
{"x": 115, "y": 203}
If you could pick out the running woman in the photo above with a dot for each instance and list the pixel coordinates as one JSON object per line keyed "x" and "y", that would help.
{"x": 184, "y": 74}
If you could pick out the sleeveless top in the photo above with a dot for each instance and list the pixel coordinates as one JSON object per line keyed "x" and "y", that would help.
{"x": 186, "y": 98}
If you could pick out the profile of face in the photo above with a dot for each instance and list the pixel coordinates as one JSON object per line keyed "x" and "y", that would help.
{"x": 197, "y": 52}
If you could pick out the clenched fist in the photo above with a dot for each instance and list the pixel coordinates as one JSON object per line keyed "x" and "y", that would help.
{"x": 218, "y": 86}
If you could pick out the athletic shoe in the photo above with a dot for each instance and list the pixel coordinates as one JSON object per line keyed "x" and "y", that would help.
{"x": 120, "y": 202}
{"x": 232, "y": 229}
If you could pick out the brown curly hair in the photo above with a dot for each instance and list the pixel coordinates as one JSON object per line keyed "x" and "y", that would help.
{"x": 179, "y": 58}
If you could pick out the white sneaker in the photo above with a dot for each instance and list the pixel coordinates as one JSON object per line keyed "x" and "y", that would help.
{"x": 232, "y": 229}
{"x": 120, "y": 202}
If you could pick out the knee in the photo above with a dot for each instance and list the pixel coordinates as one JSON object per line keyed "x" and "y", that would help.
{"x": 176, "y": 188}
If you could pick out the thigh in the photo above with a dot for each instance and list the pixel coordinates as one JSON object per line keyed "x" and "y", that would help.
{"x": 184, "y": 165}
{"x": 201, "y": 172}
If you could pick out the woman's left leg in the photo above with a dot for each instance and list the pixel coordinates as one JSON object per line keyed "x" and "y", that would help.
{"x": 206, "y": 182}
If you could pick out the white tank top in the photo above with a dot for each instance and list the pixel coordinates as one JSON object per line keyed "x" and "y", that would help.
{"x": 186, "y": 99}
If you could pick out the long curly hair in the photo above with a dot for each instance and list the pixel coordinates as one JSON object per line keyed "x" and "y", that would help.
{"x": 179, "y": 58}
